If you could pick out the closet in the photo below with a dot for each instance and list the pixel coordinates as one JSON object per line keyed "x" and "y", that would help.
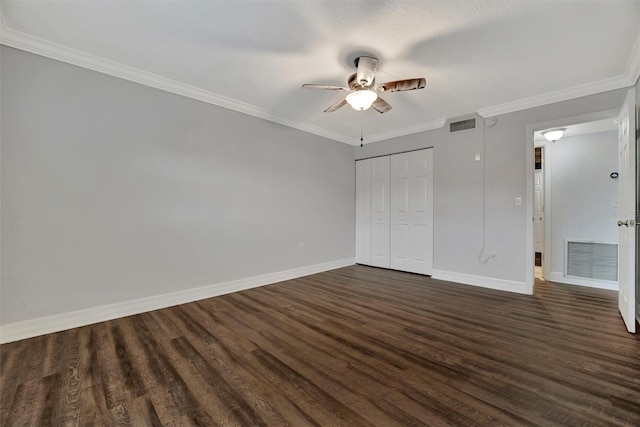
{"x": 394, "y": 211}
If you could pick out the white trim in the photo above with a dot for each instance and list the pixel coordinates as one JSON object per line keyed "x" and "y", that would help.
{"x": 68, "y": 55}
{"x": 529, "y": 241}
{"x": 59, "y": 322}
{"x": 558, "y": 96}
{"x": 556, "y": 277}
{"x": 484, "y": 282}
{"x": 628, "y": 79}
{"x": 546, "y": 166}
{"x": 28, "y": 43}
{"x": 410, "y": 130}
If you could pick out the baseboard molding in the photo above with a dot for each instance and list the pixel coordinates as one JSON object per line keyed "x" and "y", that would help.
{"x": 554, "y": 276}
{"x": 60, "y": 322}
{"x": 482, "y": 281}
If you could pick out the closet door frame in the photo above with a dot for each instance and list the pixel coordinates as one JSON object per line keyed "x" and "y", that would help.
{"x": 380, "y": 223}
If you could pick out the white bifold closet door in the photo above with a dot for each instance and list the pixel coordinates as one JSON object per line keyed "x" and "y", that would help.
{"x": 372, "y": 212}
{"x": 412, "y": 211}
{"x": 394, "y": 211}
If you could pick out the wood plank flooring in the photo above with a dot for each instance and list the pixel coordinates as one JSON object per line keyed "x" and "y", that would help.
{"x": 355, "y": 346}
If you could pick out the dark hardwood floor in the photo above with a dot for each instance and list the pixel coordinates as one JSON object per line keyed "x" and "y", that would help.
{"x": 353, "y": 346}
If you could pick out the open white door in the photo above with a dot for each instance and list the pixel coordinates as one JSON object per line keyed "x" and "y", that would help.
{"x": 627, "y": 217}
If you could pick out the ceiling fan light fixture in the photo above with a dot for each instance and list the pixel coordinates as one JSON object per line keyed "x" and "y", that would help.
{"x": 362, "y": 99}
{"x": 553, "y": 135}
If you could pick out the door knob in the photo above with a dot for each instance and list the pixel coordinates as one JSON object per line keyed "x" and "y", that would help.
{"x": 621, "y": 223}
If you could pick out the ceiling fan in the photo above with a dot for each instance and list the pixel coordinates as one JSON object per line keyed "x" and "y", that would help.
{"x": 363, "y": 92}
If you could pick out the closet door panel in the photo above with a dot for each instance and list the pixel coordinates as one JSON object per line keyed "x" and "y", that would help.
{"x": 412, "y": 211}
{"x": 380, "y": 211}
{"x": 422, "y": 215}
{"x": 420, "y": 249}
{"x": 363, "y": 212}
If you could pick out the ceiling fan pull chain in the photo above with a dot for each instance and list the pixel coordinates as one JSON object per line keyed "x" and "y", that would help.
{"x": 361, "y": 126}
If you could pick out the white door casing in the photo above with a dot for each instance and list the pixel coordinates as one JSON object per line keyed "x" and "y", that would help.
{"x": 627, "y": 215}
{"x": 363, "y": 211}
{"x": 380, "y": 211}
{"x": 412, "y": 211}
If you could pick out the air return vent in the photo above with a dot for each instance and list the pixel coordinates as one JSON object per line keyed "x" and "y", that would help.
{"x": 462, "y": 125}
{"x": 592, "y": 260}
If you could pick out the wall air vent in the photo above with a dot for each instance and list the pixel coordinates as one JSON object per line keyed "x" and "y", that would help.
{"x": 592, "y": 260}
{"x": 462, "y": 125}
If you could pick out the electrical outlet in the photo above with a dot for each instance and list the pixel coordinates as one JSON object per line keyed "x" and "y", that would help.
{"x": 492, "y": 256}
{"x": 301, "y": 247}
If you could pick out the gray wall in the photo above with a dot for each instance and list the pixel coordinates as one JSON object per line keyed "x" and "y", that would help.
{"x": 458, "y": 186}
{"x": 583, "y": 196}
{"x": 113, "y": 191}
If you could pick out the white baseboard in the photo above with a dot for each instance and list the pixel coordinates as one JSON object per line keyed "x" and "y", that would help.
{"x": 60, "y": 322}
{"x": 555, "y": 276}
{"x": 482, "y": 281}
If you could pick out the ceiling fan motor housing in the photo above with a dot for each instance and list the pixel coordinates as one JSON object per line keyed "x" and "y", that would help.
{"x": 354, "y": 84}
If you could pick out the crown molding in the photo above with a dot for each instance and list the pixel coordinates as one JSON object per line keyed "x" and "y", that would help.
{"x": 28, "y": 43}
{"x": 25, "y": 42}
{"x": 630, "y": 77}
{"x": 409, "y": 130}
{"x": 553, "y": 97}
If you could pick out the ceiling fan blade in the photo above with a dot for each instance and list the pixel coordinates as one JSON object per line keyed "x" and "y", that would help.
{"x": 366, "y": 70}
{"x": 335, "y": 106}
{"x": 402, "y": 85}
{"x": 381, "y": 106}
{"x": 325, "y": 87}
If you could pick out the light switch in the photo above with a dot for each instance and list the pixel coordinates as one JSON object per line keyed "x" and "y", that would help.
{"x": 477, "y": 157}
{"x": 518, "y": 201}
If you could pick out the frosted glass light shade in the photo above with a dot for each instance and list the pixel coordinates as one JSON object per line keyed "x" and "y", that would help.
{"x": 362, "y": 99}
{"x": 553, "y": 135}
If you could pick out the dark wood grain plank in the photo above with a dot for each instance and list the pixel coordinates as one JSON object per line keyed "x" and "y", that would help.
{"x": 353, "y": 346}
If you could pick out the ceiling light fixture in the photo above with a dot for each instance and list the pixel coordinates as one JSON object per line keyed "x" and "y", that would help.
{"x": 362, "y": 99}
{"x": 553, "y": 135}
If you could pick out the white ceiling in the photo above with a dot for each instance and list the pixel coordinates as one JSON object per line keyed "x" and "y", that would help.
{"x": 483, "y": 56}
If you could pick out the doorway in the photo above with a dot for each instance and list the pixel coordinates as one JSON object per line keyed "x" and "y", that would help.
{"x": 588, "y": 252}
{"x": 575, "y": 204}
{"x": 539, "y": 231}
